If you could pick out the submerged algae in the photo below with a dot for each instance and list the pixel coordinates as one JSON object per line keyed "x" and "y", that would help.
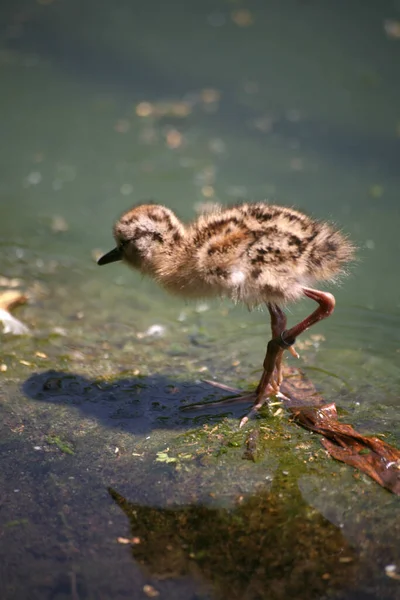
{"x": 269, "y": 544}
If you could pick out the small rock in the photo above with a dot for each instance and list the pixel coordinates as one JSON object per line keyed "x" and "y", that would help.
{"x": 150, "y": 591}
{"x": 12, "y": 325}
{"x": 153, "y": 331}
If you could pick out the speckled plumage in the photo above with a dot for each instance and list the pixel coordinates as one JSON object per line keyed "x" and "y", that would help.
{"x": 253, "y": 253}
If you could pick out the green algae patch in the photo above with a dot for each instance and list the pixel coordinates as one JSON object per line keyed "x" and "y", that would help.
{"x": 164, "y": 457}
{"x": 65, "y": 447}
{"x": 17, "y": 523}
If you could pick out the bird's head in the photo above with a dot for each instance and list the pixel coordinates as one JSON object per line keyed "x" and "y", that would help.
{"x": 142, "y": 235}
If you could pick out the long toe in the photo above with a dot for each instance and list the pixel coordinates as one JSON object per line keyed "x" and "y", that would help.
{"x": 254, "y": 410}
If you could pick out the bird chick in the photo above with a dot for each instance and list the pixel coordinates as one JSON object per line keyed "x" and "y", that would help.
{"x": 255, "y": 253}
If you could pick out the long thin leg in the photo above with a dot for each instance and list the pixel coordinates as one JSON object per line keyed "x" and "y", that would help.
{"x": 278, "y": 325}
{"x": 272, "y": 361}
{"x": 285, "y": 339}
{"x": 278, "y": 319}
{"x": 267, "y": 385}
{"x": 273, "y": 357}
{"x": 326, "y": 306}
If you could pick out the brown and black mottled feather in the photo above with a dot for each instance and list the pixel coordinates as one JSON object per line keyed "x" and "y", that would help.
{"x": 253, "y": 253}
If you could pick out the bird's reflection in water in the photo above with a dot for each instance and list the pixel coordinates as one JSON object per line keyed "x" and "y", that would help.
{"x": 269, "y": 545}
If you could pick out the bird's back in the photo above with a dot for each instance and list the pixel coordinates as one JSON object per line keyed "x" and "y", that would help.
{"x": 258, "y": 252}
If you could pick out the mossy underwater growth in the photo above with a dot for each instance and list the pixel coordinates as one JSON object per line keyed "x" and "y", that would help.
{"x": 269, "y": 545}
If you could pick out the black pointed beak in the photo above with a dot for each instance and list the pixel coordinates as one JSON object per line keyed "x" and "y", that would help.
{"x": 110, "y": 257}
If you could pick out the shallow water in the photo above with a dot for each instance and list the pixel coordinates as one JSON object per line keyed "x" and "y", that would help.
{"x": 295, "y": 104}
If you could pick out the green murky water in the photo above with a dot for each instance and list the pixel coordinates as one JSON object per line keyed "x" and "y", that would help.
{"x": 296, "y": 102}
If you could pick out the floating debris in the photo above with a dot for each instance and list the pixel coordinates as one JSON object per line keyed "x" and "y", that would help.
{"x": 376, "y": 190}
{"x": 174, "y": 139}
{"x": 34, "y": 178}
{"x": 153, "y": 331}
{"x": 314, "y": 341}
{"x": 217, "y": 146}
{"x": 370, "y": 244}
{"x": 210, "y": 96}
{"x": 208, "y": 191}
{"x": 8, "y": 300}
{"x": 392, "y": 29}
{"x": 122, "y": 126}
{"x": 242, "y": 17}
{"x": 177, "y": 109}
{"x": 203, "y": 208}
{"x": 202, "y": 307}
{"x": 144, "y": 109}
{"x": 59, "y": 224}
{"x": 206, "y": 176}
{"x": 391, "y": 571}
{"x": 96, "y": 253}
{"x": 8, "y": 282}
{"x": 124, "y": 540}
{"x": 150, "y": 591}
{"x": 126, "y": 189}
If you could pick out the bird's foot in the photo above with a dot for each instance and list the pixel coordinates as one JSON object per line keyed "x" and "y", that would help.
{"x": 269, "y": 384}
{"x": 234, "y": 396}
{"x": 259, "y": 397}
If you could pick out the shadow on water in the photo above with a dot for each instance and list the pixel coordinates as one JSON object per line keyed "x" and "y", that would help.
{"x": 136, "y": 405}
